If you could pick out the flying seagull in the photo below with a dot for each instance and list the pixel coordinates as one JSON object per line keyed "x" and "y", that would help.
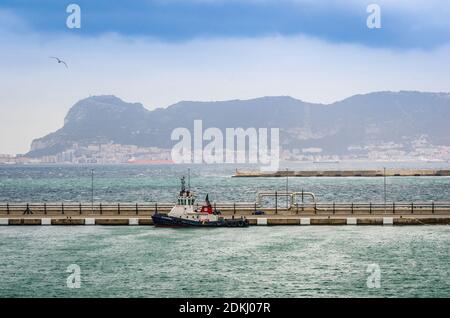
{"x": 59, "y": 60}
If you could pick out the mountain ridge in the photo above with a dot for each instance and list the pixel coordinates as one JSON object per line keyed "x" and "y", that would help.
{"x": 386, "y": 116}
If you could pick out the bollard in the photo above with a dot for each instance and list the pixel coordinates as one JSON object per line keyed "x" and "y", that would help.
{"x": 62, "y": 208}
{"x": 101, "y": 209}
{"x": 45, "y": 208}
{"x": 80, "y": 208}
{"x": 393, "y": 207}
{"x": 156, "y": 207}
{"x": 234, "y": 207}
{"x": 412, "y": 207}
{"x": 118, "y": 208}
{"x": 370, "y": 207}
{"x": 432, "y": 207}
{"x": 137, "y": 211}
{"x": 7, "y": 208}
{"x": 352, "y": 208}
{"x": 334, "y": 208}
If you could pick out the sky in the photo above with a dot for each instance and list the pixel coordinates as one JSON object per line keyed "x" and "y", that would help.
{"x": 159, "y": 52}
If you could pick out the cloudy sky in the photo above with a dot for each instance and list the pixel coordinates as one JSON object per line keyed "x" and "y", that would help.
{"x": 159, "y": 52}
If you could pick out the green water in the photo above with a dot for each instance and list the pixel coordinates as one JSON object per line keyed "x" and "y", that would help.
{"x": 129, "y": 183}
{"x": 297, "y": 261}
{"x": 284, "y": 261}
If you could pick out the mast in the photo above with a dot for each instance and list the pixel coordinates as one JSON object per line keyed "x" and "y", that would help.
{"x": 189, "y": 179}
{"x": 183, "y": 186}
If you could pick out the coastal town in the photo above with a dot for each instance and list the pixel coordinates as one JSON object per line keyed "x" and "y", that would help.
{"x": 112, "y": 153}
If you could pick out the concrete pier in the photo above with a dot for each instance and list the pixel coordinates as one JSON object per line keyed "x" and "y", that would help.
{"x": 346, "y": 173}
{"x": 253, "y": 220}
{"x": 328, "y": 213}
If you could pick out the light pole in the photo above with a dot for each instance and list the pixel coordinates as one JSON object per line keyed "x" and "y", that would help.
{"x": 384, "y": 179}
{"x": 287, "y": 189}
{"x": 92, "y": 190}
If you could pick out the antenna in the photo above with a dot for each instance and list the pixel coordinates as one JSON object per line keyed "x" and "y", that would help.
{"x": 189, "y": 179}
{"x": 183, "y": 188}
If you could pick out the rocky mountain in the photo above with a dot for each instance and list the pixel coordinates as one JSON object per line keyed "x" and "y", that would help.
{"x": 380, "y": 117}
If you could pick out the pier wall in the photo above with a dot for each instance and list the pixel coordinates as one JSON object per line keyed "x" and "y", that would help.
{"x": 253, "y": 220}
{"x": 346, "y": 173}
{"x": 404, "y": 213}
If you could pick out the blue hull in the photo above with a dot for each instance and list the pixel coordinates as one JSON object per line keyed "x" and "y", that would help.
{"x": 164, "y": 220}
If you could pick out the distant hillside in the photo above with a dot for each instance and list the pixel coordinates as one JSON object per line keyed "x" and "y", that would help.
{"x": 398, "y": 117}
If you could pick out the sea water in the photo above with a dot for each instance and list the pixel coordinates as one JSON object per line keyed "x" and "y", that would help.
{"x": 283, "y": 261}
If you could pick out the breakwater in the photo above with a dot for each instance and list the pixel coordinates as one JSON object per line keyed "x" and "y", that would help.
{"x": 367, "y": 213}
{"x": 345, "y": 173}
{"x": 253, "y": 220}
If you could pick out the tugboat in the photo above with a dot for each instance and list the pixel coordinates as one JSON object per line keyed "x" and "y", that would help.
{"x": 183, "y": 214}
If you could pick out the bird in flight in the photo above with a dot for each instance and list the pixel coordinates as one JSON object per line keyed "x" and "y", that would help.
{"x": 59, "y": 60}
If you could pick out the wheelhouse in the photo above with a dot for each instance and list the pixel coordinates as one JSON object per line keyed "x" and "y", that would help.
{"x": 186, "y": 201}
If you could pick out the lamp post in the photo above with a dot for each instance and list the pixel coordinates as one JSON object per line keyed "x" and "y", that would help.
{"x": 384, "y": 179}
{"x": 287, "y": 189}
{"x": 92, "y": 190}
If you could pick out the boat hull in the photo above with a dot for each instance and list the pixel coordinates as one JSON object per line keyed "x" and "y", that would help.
{"x": 163, "y": 220}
